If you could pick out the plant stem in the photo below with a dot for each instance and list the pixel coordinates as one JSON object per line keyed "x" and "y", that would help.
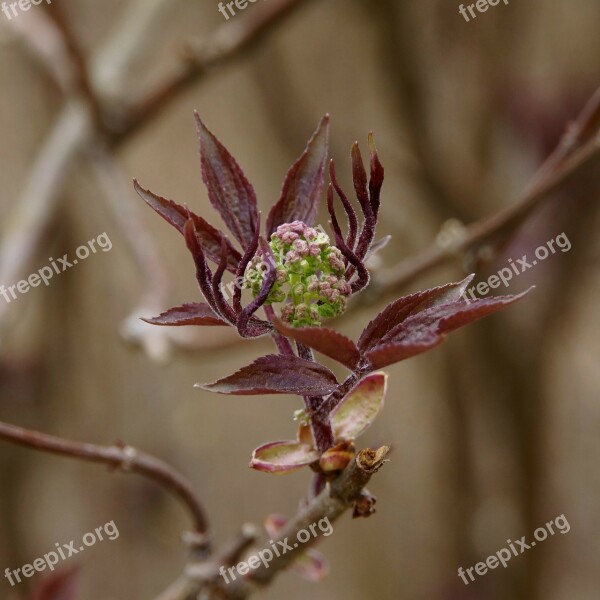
{"x": 126, "y": 458}
{"x": 319, "y": 419}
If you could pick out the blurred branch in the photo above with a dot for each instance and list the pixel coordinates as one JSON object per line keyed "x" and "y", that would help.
{"x": 397, "y": 43}
{"x": 35, "y": 208}
{"x": 45, "y": 42}
{"x": 202, "y": 57}
{"x": 578, "y": 147}
{"x": 73, "y": 129}
{"x": 119, "y": 195}
{"x": 339, "y": 495}
{"x": 125, "y": 458}
{"x": 82, "y": 84}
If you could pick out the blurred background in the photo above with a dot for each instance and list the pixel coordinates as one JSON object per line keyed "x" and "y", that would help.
{"x": 494, "y": 434}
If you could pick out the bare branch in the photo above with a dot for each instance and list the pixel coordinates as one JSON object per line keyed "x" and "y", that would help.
{"x": 81, "y": 80}
{"x": 202, "y": 57}
{"x": 579, "y": 146}
{"x": 125, "y": 458}
{"x": 338, "y": 496}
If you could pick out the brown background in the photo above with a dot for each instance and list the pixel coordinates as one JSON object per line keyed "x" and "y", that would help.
{"x": 494, "y": 434}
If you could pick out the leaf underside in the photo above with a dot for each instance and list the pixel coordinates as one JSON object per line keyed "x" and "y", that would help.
{"x": 198, "y": 313}
{"x": 277, "y": 374}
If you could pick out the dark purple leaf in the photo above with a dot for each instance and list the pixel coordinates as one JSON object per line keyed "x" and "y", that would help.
{"x": 359, "y": 176}
{"x": 275, "y": 374}
{"x": 221, "y": 302}
{"x": 428, "y": 328}
{"x": 323, "y": 340}
{"x": 268, "y": 282}
{"x": 303, "y": 183}
{"x": 350, "y": 212}
{"x": 401, "y": 309}
{"x": 388, "y": 354}
{"x": 228, "y": 189}
{"x": 177, "y": 215}
{"x": 210, "y": 240}
{"x": 241, "y": 269}
{"x": 197, "y": 313}
{"x": 360, "y": 187}
{"x": 355, "y": 262}
{"x": 170, "y": 211}
{"x": 376, "y": 178}
{"x": 203, "y": 273}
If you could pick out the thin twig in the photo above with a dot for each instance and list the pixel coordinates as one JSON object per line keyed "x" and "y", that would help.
{"x": 82, "y": 84}
{"x": 202, "y": 57}
{"x": 125, "y": 458}
{"x": 332, "y": 502}
{"x": 73, "y": 130}
{"x": 30, "y": 218}
{"x": 579, "y": 146}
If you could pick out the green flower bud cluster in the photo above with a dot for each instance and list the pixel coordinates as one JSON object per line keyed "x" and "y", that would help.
{"x": 310, "y": 275}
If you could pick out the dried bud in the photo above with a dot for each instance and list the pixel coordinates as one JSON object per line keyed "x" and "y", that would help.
{"x": 364, "y": 506}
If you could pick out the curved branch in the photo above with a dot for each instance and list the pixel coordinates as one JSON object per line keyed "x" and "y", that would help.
{"x": 339, "y": 495}
{"x": 125, "y": 458}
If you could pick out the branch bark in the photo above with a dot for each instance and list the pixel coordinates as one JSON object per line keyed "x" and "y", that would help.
{"x": 338, "y": 496}
{"x": 125, "y": 458}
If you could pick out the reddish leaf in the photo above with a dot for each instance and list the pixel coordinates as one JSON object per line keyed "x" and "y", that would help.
{"x": 60, "y": 585}
{"x": 188, "y": 314}
{"x": 404, "y": 307}
{"x": 427, "y": 329}
{"x": 275, "y": 374}
{"x": 282, "y": 457}
{"x": 177, "y": 215}
{"x": 210, "y": 240}
{"x": 303, "y": 183}
{"x": 323, "y": 340}
{"x": 229, "y": 191}
{"x": 359, "y": 408}
{"x": 376, "y": 177}
{"x": 170, "y": 211}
